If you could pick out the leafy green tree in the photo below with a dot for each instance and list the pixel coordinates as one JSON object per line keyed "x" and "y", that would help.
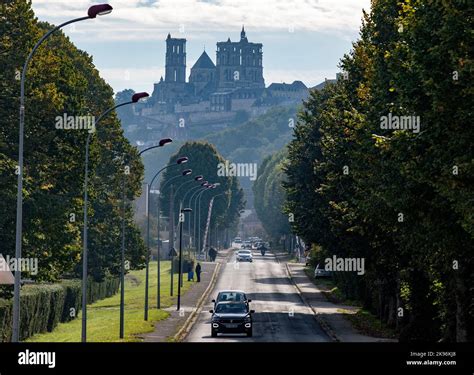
{"x": 61, "y": 81}
{"x": 398, "y": 198}
{"x": 270, "y": 197}
{"x": 203, "y": 160}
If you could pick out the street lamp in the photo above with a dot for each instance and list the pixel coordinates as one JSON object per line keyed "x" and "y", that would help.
{"x": 204, "y": 186}
{"x": 197, "y": 178}
{"x": 179, "y": 161}
{"x": 180, "y": 277}
{"x": 184, "y": 202}
{"x": 198, "y": 201}
{"x": 135, "y": 98}
{"x": 210, "y": 232}
{"x": 161, "y": 143}
{"x": 93, "y": 12}
{"x": 183, "y": 174}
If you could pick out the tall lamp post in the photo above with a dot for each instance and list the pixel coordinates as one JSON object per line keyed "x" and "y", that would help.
{"x": 197, "y": 178}
{"x": 161, "y": 143}
{"x": 205, "y": 185}
{"x": 171, "y": 230}
{"x": 197, "y": 202}
{"x": 183, "y": 202}
{"x": 210, "y": 232}
{"x": 213, "y": 186}
{"x": 135, "y": 98}
{"x": 179, "y": 161}
{"x": 93, "y": 12}
{"x": 180, "y": 277}
{"x": 186, "y": 172}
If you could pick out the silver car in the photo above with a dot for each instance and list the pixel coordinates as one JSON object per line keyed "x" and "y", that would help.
{"x": 244, "y": 256}
{"x": 321, "y": 272}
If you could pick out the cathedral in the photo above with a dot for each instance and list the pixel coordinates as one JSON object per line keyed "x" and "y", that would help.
{"x": 234, "y": 83}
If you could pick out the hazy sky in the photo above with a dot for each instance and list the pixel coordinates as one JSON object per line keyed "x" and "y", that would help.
{"x": 302, "y": 39}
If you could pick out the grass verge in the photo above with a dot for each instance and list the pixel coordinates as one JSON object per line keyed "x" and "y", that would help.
{"x": 103, "y": 316}
{"x": 362, "y": 320}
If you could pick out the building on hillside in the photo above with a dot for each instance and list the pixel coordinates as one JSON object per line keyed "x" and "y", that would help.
{"x": 215, "y": 93}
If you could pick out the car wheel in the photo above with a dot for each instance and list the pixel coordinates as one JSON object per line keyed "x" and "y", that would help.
{"x": 213, "y": 333}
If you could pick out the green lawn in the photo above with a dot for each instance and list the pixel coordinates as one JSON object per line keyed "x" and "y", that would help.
{"x": 103, "y": 316}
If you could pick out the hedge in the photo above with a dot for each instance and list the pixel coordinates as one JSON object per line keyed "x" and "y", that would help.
{"x": 44, "y": 306}
{"x": 186, "y": 262}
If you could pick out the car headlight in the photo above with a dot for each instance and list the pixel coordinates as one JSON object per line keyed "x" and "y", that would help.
{"x": 215, "y": 325}
{"x": 248, "y": 319}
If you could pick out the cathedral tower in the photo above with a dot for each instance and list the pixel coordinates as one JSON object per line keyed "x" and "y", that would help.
{"x": 175, "y": 60}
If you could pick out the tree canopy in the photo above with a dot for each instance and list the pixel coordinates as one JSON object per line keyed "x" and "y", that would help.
{"x": 399, "y": 198}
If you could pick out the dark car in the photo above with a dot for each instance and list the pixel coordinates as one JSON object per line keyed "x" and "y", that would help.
{"x": 231, "y": 296}
{"x": 231, "y": 317}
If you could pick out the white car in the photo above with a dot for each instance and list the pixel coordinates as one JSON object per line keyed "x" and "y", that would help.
{"x": 244, "y": 256}
{"x": 321, "y": 272}
{"x": 237, "y": 243}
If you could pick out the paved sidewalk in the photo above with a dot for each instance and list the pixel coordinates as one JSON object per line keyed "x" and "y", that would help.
{"x": 327, "y": 311}
{"x": 167, "y": 328}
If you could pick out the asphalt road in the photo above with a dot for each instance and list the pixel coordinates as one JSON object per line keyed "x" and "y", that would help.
{"x": 280, "y": 315}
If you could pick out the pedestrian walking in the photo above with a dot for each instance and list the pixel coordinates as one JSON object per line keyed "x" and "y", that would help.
{"x": 198, "y": 272}
{"x": 190, "y": 272}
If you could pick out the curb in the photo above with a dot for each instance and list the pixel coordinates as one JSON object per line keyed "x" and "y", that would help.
{"x": 324, "y": 325}
{"x": 185, "y": 329}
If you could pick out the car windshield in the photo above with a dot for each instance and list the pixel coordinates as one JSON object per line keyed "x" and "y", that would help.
{"x": 230, "y": 296}
{"x": 244, "y": 252}
{"x": 231, "y": 308}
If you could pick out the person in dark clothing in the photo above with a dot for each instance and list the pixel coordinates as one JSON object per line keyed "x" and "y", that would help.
{"x": 198, "y": 272}
{"x": 212, "y": 254}
{"x": 190, "y": 272}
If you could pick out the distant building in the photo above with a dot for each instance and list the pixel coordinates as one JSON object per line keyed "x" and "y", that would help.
{"x": 215, "y": 93}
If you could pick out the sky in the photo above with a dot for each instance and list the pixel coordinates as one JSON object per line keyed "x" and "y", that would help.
{"x": 302, "y": 39}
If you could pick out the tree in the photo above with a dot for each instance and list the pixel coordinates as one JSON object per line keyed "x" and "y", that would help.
{"x": 270, "y": 197}
{"x": 61, "y": 81}
{"x": 392, "y": 196}
{"x": 203, "y": 160}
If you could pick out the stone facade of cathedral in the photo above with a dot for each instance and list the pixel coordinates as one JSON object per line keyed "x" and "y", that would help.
{"x": 216, "y": 93}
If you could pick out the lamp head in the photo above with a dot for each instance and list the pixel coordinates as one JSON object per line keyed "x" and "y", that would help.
{"x": 164, "y": 141}
{"x": 139, "y": 95}
{"x": 99, "y": 10}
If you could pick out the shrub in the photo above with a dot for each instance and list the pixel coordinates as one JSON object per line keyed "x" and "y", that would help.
{"x": 44, "y": 306}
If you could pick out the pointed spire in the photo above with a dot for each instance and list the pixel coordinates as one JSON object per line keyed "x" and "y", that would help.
{"x": 242, "y": 33}
{"x": 169, "y": 36}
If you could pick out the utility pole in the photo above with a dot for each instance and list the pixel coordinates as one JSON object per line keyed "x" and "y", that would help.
{"x": 158, "y": 256}
{"x": 171, "y": 234}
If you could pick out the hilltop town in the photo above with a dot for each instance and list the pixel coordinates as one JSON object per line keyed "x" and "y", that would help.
{"x": 215, "y": 95}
